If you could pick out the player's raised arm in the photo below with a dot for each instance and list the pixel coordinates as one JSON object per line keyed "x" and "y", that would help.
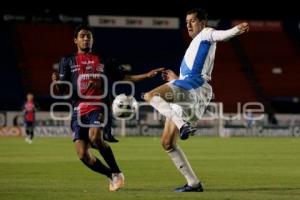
{"x": 139, "y": 77}
{"x": 218, "y": 35}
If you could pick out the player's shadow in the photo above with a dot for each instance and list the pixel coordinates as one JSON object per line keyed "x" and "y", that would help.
{"x": 147, "y": 189}
{"x": 260, "y": 189}
{"x": 251, "y": 189}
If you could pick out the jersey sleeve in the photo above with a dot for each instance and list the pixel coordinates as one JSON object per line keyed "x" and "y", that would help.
{"x": 207, "y": 34}
{"x": 213, "y": 35}
{"x": 223, "y": 35}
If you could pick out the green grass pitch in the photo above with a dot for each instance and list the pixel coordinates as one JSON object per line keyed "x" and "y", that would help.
{"x": 231, "y": 168}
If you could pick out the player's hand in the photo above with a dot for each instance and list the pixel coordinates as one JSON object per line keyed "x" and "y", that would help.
{"x": 55, "y": 76}
{"x": 243, "y": 27}
{"x": 169, "y": 75}
{"x": 154, "y": 72}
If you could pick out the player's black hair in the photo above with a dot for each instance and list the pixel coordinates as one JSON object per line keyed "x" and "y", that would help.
{"x": 200, "y": 13}
{"x": 82, "y": 27}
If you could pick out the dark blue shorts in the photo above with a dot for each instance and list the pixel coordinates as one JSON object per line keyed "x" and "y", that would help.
{"x": 81, "y": 129}
{"x": 29, "y": 124}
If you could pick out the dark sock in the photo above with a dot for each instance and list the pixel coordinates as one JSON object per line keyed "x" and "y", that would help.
{"x": 109, "y": 158}
{"x": 27, "y": 132}
{"x": 31, "y": 135}
{"x": 97, "y": 166}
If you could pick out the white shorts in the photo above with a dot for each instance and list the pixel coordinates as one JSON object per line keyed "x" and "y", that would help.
{"x": 190, "y": 104}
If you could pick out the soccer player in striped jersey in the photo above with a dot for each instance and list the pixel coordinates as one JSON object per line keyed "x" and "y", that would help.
{"x": 86, "y": 74}
{"x": 83, "y": 71}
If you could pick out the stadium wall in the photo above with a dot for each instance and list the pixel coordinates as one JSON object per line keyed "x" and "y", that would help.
{"x": 151, "y": 124}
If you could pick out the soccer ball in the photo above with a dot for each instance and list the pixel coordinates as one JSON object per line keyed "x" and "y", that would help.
{"x": 124, "y": 107}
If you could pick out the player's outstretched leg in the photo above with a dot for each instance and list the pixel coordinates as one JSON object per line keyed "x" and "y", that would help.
{"x": 116, "y": 181}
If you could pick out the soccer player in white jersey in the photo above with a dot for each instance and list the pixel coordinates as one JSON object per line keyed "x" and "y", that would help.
{"x": 190, "y": 88}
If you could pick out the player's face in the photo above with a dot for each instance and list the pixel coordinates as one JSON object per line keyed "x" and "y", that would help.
{"x": 29, "y": 97}
{"x": 84, "y": 41}
{"x": 194, "y": 25}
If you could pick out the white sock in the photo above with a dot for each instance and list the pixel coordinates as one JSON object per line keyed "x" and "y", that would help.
{"x": 165, "y": 109}
{"x": 183, "y": 165}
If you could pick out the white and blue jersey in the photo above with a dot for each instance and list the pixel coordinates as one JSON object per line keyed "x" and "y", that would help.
{"x": 198, "y": 61}
{"x": 197, "y": 64}
{"x": 195, "y": 72}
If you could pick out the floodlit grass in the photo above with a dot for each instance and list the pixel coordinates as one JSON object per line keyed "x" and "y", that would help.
{"x": 231, "y": 168}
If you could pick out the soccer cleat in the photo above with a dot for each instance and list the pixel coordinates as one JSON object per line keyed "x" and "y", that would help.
{"x": 116, "y": 182}
{"x": 187, "y": 188}
{"x": 186, "y": 130}
{"x": 109, "y": 137}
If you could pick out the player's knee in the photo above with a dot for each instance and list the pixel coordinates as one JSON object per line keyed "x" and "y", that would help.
{"x": 95, "y": 136}
{"x": 97, "y": 141}
{"x": 167, "y": 145}
{"x": 148, "y": 96}
{"x": 93, "y": 139}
